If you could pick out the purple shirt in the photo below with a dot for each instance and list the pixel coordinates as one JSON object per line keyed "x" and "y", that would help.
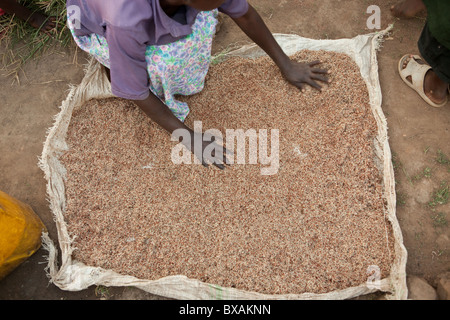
{"x": 129, "y": 26}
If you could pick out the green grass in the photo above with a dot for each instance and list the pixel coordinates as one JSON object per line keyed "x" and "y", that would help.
{"x": 24, "y": 43}
{"x": 441, "y": 158}
{"x": 440, "y": 196}
{"x": 396, "y": 163}
{"x": 401, "y": 198}
{"x": 220, "y": 57}
{"x": 425, "y": 173}
{"x": 439, "y": 219}
{"x": 102, "y": 292}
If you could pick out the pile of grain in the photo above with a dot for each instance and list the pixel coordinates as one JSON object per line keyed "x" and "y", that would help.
{"x": 315, "y": 226}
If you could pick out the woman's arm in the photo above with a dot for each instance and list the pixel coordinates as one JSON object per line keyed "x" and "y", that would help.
{"x": 161, "y": 114}
{"x": 156, "y": 110}
{"x": 296, "y": 73}
{"x": 37, "y": 20}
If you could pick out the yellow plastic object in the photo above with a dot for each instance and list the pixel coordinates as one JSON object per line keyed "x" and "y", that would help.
{"x": 20, "y": 233}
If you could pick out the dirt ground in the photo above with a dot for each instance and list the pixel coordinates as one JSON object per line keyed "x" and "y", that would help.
{"x": 419, "y": 136}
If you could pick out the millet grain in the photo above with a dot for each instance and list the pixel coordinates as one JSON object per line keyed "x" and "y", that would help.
{"x": 315, "y": 226}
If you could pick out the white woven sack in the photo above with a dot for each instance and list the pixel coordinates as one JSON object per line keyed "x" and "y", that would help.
{"x": 73, "y": 275}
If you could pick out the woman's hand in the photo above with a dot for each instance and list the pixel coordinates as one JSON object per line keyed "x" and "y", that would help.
{"x": 301, "y": 74}
{"x": 206, "y": 149}
{"x": 202, "y": 145}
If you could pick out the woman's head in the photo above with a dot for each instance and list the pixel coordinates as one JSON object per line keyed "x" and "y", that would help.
{"x": 202, "y": 5}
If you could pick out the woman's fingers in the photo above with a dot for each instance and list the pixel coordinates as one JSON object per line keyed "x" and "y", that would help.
{"x": 300, "y": 85}
{"x": 320, "y": 78}
{"x": 317, "y": 70}
{"x": 217, "y": 162}
{"x": 49, "y": 26}
{"x": 224, "y": 157}
{"x": 219, "y": 165}
{"x": 217, "y": 157}
{"x": 314, "y": 63}
{"x": 314, "y": 84}
{"x": 307, "y": 74}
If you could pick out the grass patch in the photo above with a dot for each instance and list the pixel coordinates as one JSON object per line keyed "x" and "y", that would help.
{"x": 401, "y": 198}
{"x": 398, "y": 166}
{"x": 23, "y": 42}
{"x": 220, "y": 57}
{"x": 441, "y": 158}
{"x": 396, "y": 163}
{"x": 102, "y": 292}
{"x": 440, "y": 196}
{"x": 425, "y": 173}
{"x": 439, "y": 219}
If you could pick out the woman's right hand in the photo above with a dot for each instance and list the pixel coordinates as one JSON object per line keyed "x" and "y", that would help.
{"x": 206, "y": 149}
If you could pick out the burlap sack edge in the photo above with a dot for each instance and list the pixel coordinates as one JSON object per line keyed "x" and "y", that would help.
{"x": 74, "y": 276}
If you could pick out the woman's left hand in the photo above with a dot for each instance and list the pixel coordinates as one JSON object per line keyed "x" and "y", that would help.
{"x": 301, "y": 74}
{"x": 297, "y": 73}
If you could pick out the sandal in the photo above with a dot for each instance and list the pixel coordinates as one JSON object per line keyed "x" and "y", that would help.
{"x": 417, "y": 72}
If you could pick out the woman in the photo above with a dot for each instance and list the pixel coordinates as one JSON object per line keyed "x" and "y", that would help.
{"x": 155, "y": 49}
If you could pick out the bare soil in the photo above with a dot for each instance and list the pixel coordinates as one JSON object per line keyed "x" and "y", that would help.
{"x": 419, "y": 136}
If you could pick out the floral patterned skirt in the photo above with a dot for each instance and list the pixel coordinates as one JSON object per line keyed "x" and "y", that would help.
{"x": 178, "y": 68}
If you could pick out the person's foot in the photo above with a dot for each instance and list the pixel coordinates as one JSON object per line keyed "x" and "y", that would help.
{"x": 407, "y": 8}
{"x": 42, "y": 22}
{"x": 433, "y": 86}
